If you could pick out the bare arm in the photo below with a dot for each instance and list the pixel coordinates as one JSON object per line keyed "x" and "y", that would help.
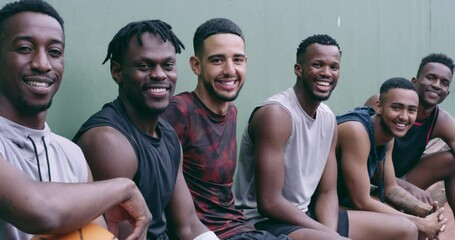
{"x": 399, "y": 197}
{"x": 57, "y": 208}
{"x": 326, "y": 206}
{"x": 270, "y": 142}
{"x": 181, "y": 210}
{"x": 445, "y": 129}
{"x": 354, "y": 147}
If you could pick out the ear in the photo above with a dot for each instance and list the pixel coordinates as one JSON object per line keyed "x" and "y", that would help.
{"x": 195, "y": 65}
{"x": 116, "y": 72}
{"x": 298, "y": 70}
{"x": 378, "y": 107}
{"x": 414, "y": 80}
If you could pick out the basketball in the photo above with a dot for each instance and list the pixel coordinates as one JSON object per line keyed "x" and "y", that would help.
{"x": 88, "y": 232}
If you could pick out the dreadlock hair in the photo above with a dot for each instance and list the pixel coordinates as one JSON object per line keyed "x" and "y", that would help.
{"x": 119, "y": 44}
{"x": 37, "y": 6}
{"x": 322, "y": 39}
{"x": 436, "y": 58}
{"x": 396, "y": 82}
{"x": 212, "y": 27}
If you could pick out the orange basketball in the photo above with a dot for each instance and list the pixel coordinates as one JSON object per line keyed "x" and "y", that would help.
{"x": 88, "y": 232}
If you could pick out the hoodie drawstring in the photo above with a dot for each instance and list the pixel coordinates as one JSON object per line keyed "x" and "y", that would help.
{"x": 37, "y": 159}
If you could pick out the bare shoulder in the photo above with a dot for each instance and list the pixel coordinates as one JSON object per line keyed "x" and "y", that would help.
{"x": 445, "y": 125}
{"x": 352, "y": 132}
{"x": 271, "y": 120}
{"x": 108, "y": 152}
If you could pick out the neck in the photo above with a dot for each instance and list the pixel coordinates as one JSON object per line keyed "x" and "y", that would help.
{"x": 145, "y": 121}
{"x": 30, "y": 120}
{"x": 308, "y": 104}
{"x": 424, "y": 112}
{"x": 217, "y": 106}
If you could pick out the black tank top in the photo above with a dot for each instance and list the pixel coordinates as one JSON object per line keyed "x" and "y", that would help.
{"x": 158, "y": 160}
{"x": 408, "y": 150}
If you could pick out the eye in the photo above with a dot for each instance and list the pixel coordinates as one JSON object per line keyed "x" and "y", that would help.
{"x": 239, "y": 60}
{"x": 169, "y": 66}
{"x": 55, "y": 52}
{"x": 335, "y": 68}
{"x": 216, "y": 60}
{"x": 143, "y": 67}
{"x": 317, "y": 65}
{"x": 445, "y": 83}
{"x": 24, "y": 49}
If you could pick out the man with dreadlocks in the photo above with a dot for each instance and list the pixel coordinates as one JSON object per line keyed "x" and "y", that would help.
{"x": 127, "y": 138}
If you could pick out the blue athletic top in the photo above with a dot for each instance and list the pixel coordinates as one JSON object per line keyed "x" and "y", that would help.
{"x": 376, "y": 156}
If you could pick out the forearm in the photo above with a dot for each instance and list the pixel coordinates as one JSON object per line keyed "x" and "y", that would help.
{"x": 193, "y": 229}
{"x": 59, "y": 208}
{"x": 285, "y": 211}
{"x": 403, "y": 200}
{"x": 326, "y": 210}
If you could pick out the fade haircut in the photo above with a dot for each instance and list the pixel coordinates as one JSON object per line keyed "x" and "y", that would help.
{"x": 322, "y": 39}
{"x": 393, "y": 83}
{"x": 119, "y": 44}
{"x": 37, "y": 6}
{"x": 436, "y": 58}
{"x": 212, "y": 27}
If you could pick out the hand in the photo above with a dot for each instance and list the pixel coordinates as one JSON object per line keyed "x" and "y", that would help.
{"x": 434, "y": 224}
{"x": 135, "y": 211}
{"x": 418, "y": 193}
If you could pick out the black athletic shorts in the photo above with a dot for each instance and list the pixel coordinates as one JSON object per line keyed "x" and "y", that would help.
{"x": 277, "y": 227}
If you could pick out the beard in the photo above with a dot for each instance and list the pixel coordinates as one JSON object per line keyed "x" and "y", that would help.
{"x": 32, "y": 109}
{"x": 212, "y": 91}
{"x": 384, "y": 126}
{"x": 314, "y": 96}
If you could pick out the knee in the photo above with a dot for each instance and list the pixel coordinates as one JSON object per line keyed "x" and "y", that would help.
{"x": 408, "y": 230}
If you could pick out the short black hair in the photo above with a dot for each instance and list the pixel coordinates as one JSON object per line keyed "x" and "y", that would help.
{"x": 37, "y": 6}
{"x": 322, "y": 39}
{"x": 396, "y": 82}
{"x": 436, "y": 58}
{"x": 119, "y": 44}
{"x": 212, "y": 27}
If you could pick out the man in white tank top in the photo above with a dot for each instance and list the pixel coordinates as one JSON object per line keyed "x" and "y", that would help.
{"x": 287, "y": 171}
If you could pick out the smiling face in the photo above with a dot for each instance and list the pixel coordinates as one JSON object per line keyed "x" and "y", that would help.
{"x": 318, "y": 70}
{"x": 147, "y": 74}
{"x": 31, "y": 63}
{"x": 433, "y": 84}
{"x": 398, "y": 111}
{"x": 221, "y": 68}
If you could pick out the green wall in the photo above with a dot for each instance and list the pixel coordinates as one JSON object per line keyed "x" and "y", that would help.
{"x": 379, "y": 40}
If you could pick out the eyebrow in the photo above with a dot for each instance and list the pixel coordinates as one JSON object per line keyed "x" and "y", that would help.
{"x": 30, "y": 39}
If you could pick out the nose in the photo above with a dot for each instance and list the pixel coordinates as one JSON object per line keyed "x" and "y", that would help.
{"x": 40, "y": 61}
{"x": 158, "y": 73}
{"x": 436, "y": 84}
{"x": 229, "y": 68}
{"x": 326, "y": 71}
{"x": 404, "y": 115}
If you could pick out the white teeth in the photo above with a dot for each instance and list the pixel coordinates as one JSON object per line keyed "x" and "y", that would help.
{"x": 325, "y": 84}
{"x": 400, "y": 124}
{"x": 38, "y": 84}
{"x": 228, "y": 83}
{"x": 157, "y": 90}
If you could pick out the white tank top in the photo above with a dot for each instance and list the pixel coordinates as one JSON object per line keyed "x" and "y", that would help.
{"x": 306, "y": 154}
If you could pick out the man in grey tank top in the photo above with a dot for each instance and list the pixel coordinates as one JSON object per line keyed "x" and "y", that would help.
{"x": 31, "y": 156}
